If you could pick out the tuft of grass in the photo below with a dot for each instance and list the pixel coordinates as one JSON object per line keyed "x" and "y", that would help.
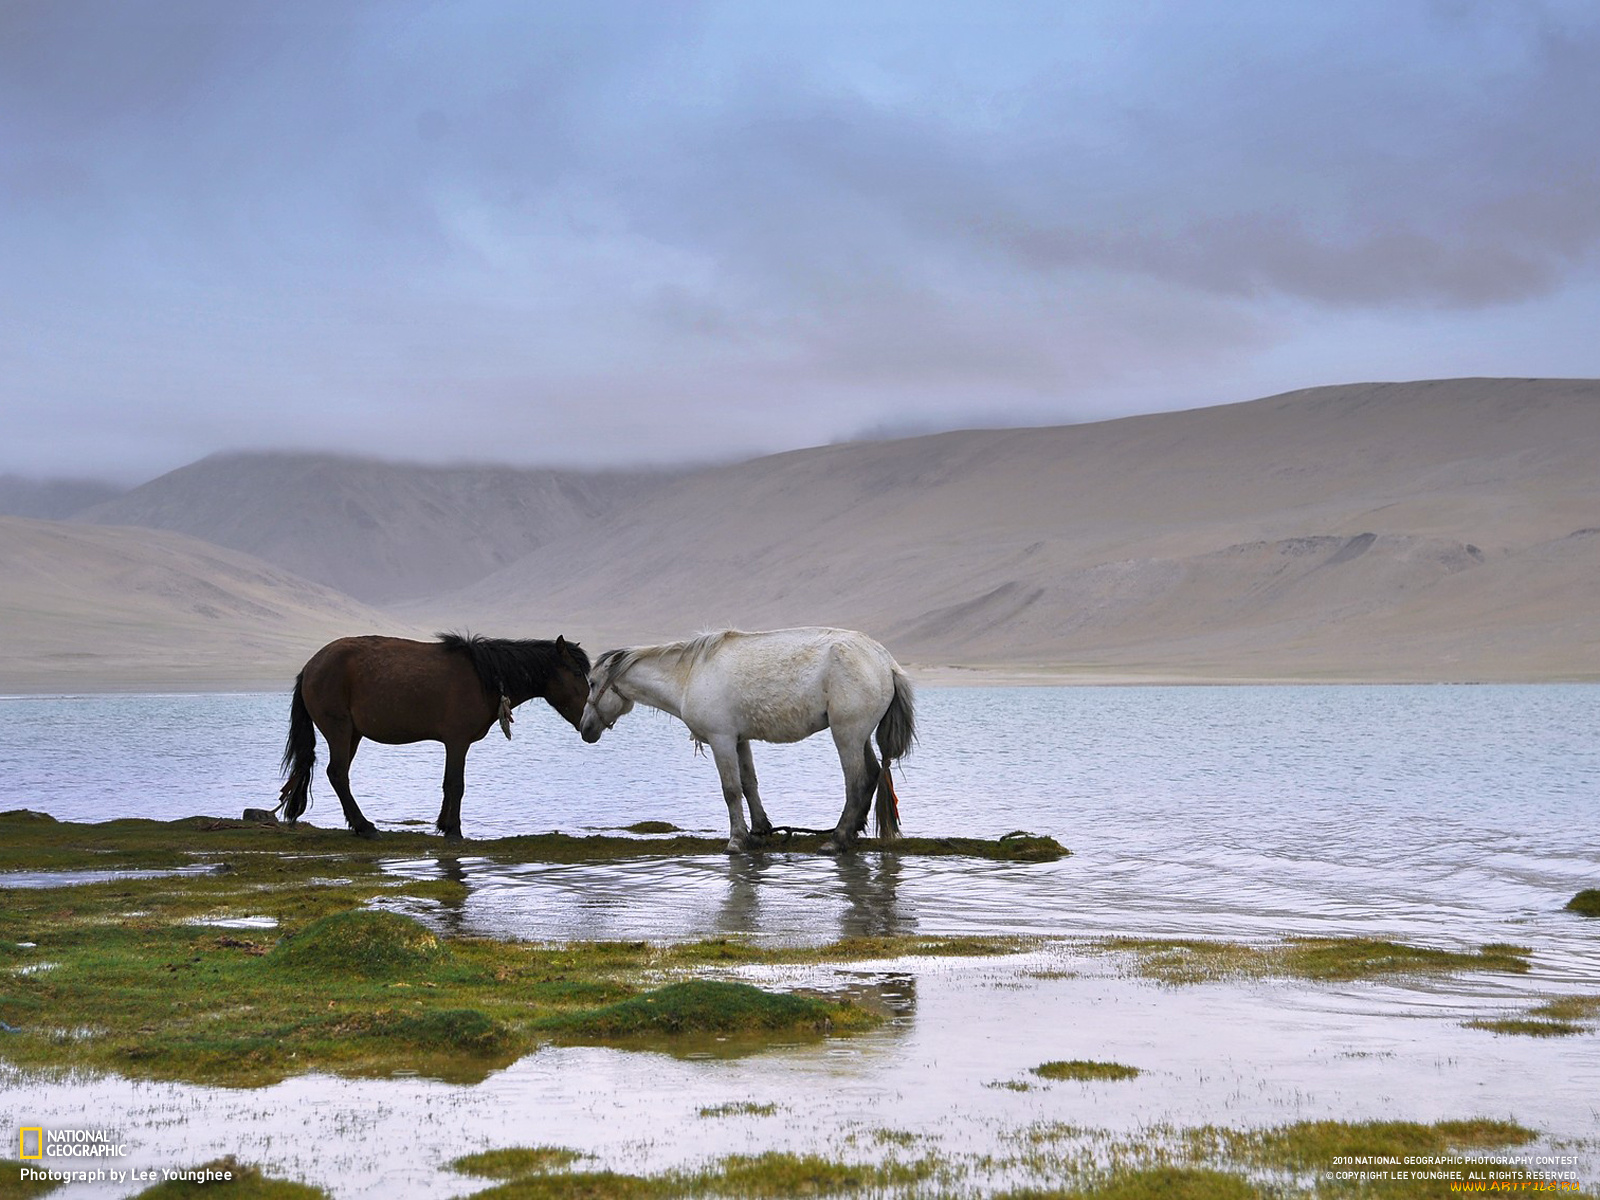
{"x": 1313, "y": 1145}
{"x": 516, "y": 1162}
{"x": 652, "y": 827}
{"x": 1152, "y": 1183}
{"x": 739, "y": 1108}
{"x": 364, "y": 942}
{"x": 248, "y": 1183}
{"x": 580, "y": 1185}
{"x": 1586, "y": 903}
{"x": 1560, "y": 1017}
{"x": 1569, "y": 1008}
{"x": 705, "y": 1006}
{"x": 1318, "y": 959}
{"x": 1526, "y": 1026}
{"x": 780, "y": 1173}
{"x": 1084, "y": 1069}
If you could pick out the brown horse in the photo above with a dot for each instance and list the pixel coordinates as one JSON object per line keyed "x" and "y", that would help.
{"x": 397, "y": 691}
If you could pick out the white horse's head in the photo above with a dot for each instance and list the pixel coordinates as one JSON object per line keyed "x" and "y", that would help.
{"x": 605, "y": 704}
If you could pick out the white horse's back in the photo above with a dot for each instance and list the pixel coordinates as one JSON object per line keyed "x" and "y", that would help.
{"x": 783, "y": 685}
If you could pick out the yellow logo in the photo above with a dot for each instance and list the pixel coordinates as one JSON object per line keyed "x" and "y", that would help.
{"x": 38, "y": 1143}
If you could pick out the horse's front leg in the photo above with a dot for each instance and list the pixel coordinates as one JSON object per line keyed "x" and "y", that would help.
{"x": 455, "y": 785}
{"x": 759, "y": 825}
{"x": 726, "y": 753}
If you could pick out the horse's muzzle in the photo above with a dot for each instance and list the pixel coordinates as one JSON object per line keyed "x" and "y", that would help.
{"x": 591, "y": 733}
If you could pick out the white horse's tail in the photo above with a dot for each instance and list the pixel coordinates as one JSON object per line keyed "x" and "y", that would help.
{"x": 896, "y": 731}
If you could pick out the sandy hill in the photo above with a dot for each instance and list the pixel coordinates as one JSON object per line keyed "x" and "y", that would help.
{"x": 1435, "y": 530}
{"x": 92, "y": 608}
{"x": 378, "y": 531}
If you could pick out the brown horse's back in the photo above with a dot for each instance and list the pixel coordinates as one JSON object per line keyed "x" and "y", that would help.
{"x": 395, "y": 690}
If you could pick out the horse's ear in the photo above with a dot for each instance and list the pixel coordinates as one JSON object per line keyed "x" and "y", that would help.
{"x": 561, "y": 642}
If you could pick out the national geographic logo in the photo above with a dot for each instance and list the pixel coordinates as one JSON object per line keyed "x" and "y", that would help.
{"x": 36, "y": 1143}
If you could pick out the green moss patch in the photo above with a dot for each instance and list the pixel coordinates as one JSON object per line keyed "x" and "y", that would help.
{"x": 247, "y": 1183}
{"x": 652, "y": 827}
{"x": 372, "y": 945}
{"x": 452, "y": 1031}
{"x": 779, "y": 1173}
{"x": 580, "y": 1185}
{"x": 704, "y": 1006}
{"x": 1324, "y": 959}
{"x": 1313, "y": 1145}
{"x": 1085, "y": 1069}
{"x": 1291, "y": 1162}
{"x": 739, "y": 1108}
{"x": 516, "y": 1162}
{"x": 1526, "y": 1027}
{"x": 1569, "y": 1008}
{"x": 1561, "y": 1017}
{"x": 1586, "y": 903}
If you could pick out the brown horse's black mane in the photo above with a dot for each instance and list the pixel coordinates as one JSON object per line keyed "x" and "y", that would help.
{"x": 507, "y": 667}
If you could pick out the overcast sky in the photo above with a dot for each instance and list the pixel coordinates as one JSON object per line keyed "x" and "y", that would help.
{"x": 603, "y": 232}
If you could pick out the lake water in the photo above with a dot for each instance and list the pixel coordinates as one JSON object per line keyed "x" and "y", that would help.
{"x": 1450, "y": 816}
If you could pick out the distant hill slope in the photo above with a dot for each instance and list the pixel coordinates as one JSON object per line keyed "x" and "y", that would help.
{"x": 378, "y": 531}
{"x": 51, "y": 499}
{"x": 94, "y": 608}
{"x": 1434, "y": 530}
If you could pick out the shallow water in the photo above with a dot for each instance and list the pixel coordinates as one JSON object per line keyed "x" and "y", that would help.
{"x": 1450, "y": 816}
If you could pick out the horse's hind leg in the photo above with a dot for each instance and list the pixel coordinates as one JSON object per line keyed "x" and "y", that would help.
{"x": 759, "y": 825}
{"x": 342, "y": 747}
{"x": 860, "y": 778}
{"x": 726, "y": 753}
{"x": 455, "y": 786}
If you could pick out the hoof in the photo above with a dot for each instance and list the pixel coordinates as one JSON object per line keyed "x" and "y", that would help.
{"x": 453, "y": 835}
{"x": 737, "y": 846}
{"x": 762, "y": 830}
{"x": 367, "y": 832}
{"x": 833, "y": 846}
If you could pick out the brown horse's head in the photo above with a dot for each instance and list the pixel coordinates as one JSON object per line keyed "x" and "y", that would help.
{"x": 568, "y": 686}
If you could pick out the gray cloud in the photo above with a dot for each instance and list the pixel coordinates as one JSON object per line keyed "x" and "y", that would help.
{"x": 619, "y": 232}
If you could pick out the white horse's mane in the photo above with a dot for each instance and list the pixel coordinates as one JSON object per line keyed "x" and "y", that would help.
{"x": 690, "y": 652}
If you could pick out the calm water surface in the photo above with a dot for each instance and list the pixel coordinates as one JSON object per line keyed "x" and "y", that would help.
{"x": 1442, "y": 815}
{"x": 1470, "y": 811}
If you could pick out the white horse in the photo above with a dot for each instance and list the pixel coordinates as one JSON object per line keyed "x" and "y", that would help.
{"x": 780, "y": 686}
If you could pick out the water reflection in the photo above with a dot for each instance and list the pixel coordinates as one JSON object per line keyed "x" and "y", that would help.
{"x": 740, "y": 910}
{"x": 785, "y": 898}
{"x": 870, "y": 887}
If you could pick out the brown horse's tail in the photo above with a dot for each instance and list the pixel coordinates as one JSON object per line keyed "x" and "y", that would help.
{"x": 299, "y": 756}
{"x": 896, "y": 731}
